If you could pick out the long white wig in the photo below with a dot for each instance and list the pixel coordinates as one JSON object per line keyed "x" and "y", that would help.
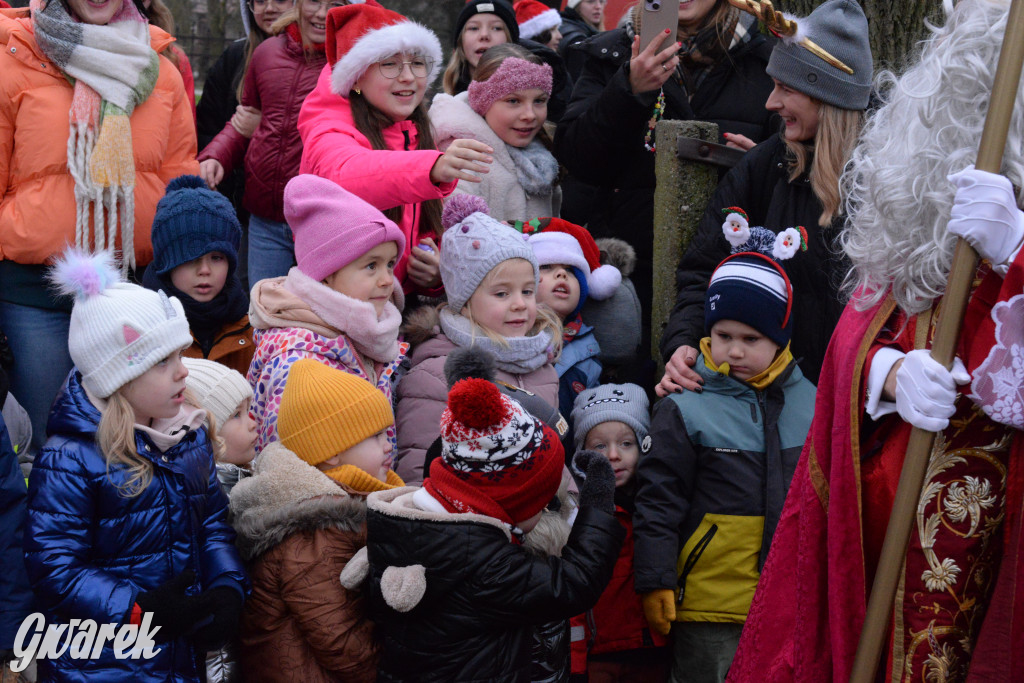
{"x": 896, "y": 193}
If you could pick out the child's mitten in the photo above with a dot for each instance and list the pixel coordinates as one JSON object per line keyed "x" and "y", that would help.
{"x": 173, "y": 611}
{"x": 224, "y": 604}
{"x": 598, "y": 488}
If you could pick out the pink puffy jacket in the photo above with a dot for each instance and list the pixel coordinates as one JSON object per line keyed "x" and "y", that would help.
{"x": 333, "y": 148}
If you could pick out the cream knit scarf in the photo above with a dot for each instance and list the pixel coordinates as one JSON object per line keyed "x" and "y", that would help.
{"x": 113, "y": 69}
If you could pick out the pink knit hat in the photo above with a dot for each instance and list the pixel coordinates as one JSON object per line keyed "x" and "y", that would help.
{"x": 332, "y": 226}
{"x": 512, "y": 75}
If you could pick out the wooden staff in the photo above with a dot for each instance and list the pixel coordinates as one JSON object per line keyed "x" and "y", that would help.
{"x": 947, "y": 330}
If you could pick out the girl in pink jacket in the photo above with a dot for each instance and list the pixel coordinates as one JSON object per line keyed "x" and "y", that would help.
{"x": 365, "y": 127}
{"x": 490, "y": 275}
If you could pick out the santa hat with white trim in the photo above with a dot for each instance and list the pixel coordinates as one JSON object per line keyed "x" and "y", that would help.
{"x": 535, "y": 17}
{"x": 558, "y": 241}
{"x": 358, "y": 36}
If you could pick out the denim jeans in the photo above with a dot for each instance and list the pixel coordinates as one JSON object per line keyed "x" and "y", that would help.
{"x": 271, "y": 249}
{"x": 39, "y": 341}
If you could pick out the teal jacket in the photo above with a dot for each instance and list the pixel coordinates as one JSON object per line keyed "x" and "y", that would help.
{"x": 711, "y": 489}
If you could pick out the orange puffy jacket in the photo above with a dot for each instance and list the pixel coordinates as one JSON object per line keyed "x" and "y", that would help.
{"x": 37, "y": 194}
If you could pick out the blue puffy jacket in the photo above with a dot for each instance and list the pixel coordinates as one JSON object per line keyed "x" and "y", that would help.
{"x": 89, "y": 550}
{"x": 15, "y": 595}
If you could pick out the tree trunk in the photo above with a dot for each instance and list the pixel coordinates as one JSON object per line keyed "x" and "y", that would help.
{"x": 438, "y": 15}
{"x": 895, "y": 26}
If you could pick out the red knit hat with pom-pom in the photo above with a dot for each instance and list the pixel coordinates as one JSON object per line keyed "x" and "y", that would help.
{"x": 496, "y": 459}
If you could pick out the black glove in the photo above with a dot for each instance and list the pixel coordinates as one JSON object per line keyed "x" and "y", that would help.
{"x": 173, "y": 611}
{"x": 223, "y": 604}
{"x": 598, "y": 488}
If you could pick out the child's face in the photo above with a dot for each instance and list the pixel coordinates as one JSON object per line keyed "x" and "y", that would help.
{"x": 517, "y": 117}
{"x": 372, "y": 455}
{"x": 558, "y": 289}
{"x": 396, "y": 97}
{"x": 202, "y": 278}
{"x": 747, "y": 351}
{"x": 617, "y": 442}
{"x": 481, "y": 32}
{"x": 505, "y": 303}
{"x": 158, "y": 392}
{"x": 371, "y": 277}
{"x": 239, "y": 434}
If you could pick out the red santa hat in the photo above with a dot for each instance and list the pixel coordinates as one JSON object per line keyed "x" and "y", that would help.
{"x": 358, "y": 36}
{"x": 535, "y": 17}
{"x": 558, "y": 241}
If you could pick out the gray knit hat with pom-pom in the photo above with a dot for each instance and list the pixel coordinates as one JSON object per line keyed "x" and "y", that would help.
{"x": 473, "y": 244}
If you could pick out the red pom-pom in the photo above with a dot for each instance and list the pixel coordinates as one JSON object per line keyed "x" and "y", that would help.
{"x": 477, "y": 403}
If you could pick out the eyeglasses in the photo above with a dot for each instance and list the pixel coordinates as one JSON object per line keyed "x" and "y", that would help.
{"x": 393, "y": 67}
{"x": 253, "y": 4}
{"x": 323, "y": 4}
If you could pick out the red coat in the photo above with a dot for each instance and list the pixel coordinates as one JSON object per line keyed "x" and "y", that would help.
{"x": 398, "y": 176}
{"x": 616, "y": 623}
{"x": 280, "y": 76}
{"x": 807, "y": 614}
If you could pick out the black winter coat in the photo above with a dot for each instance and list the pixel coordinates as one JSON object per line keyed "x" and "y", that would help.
{"x": 760, "y": 185}
{"x": 483, "y": 595}
{"x": 573, "y": 30}
{"x": 600, "y": 139}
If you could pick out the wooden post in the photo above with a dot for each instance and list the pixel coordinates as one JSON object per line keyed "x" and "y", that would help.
{"x": 682, "y": 193}
{"x": 947, "y": 332}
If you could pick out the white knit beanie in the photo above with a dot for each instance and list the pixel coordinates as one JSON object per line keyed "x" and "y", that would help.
{"x": 218, "y": 388}
{"x": 118, "y": 330}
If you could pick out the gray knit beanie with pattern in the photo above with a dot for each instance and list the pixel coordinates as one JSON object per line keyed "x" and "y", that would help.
{"x": 840, "y": 28}
{"x": 473, "y": 245}
{"x": 626, "y": 403}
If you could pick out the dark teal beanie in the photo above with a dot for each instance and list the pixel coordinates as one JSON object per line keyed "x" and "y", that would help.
{"x": 192, "y": 220}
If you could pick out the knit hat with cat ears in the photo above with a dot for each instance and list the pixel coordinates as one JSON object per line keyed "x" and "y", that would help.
{"x": 118, "y": 330}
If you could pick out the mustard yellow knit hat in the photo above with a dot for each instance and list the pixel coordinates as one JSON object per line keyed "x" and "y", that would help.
{"x": 325, "y": 411}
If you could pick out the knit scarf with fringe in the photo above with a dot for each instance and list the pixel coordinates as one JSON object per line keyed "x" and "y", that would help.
{"x": 113, "y": 69}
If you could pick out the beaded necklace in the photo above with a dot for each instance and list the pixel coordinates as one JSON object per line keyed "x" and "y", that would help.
{"x": 659, "y": 109}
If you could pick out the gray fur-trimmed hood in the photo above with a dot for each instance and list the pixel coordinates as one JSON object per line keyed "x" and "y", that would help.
{"x": 619, "y": 253}
{"x": 287, "y": 495}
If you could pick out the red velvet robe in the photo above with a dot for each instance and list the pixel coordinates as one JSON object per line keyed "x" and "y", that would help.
{"x": 961, "y": 598}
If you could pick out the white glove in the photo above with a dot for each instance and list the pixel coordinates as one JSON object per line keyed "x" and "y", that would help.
{"x": 985, "y": 214}
{"x": 926, "y": 391}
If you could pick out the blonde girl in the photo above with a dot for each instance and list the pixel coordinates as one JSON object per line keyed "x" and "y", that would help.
{"x": 126, "y": 517}
{"x": 369, "y": 105}
{"x": 506, "y": 107}
{"x": 490, "y": 275}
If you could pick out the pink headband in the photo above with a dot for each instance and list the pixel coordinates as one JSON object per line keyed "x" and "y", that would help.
{"x": 514, "y": 74}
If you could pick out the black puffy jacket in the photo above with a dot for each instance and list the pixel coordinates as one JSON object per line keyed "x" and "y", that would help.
{"x": 600, "y": 139}
{"x": 573, "y": 30}
{"x": 483, "y": 595}
{"x": 760, "y": 185}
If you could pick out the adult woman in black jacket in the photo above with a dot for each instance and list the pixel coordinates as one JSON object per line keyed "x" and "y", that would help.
{"x": 719, "y": 76}
{"x": 787, "y": 181}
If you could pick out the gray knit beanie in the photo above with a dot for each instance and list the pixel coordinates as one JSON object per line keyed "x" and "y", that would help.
{"x": 473, "y": 245}
{"x": 840, "y": 28}
{"x": 626, "y": 403}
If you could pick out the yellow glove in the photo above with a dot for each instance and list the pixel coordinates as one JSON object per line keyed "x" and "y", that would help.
{"x": 660, "y": 609}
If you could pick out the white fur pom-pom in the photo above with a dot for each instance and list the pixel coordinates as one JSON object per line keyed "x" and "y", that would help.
{"x": 603, "y": 281}
{"x": 80, "y": 274}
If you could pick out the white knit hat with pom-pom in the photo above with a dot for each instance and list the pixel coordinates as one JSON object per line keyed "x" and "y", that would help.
{"x": 118, "y": 330}
{"x": 473, "y": 244}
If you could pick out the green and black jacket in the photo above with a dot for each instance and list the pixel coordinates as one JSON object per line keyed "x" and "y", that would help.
{"x": 711, "y": 490}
